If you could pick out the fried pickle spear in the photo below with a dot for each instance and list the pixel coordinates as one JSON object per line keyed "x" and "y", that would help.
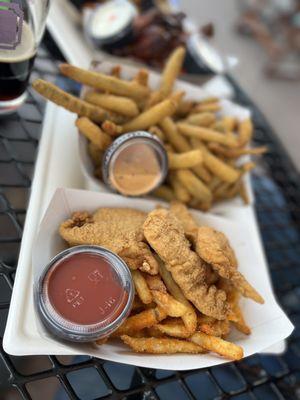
{"x": 104, "y": 82}
{"x": 178, "y": 141}
{"x": 154, "y": 114}
{"x": 165, "y": 235}
{"x": 206, "y": 134}
{"x": 236, "y": 152}
{"x": 194, "y": 185}
{"x": 181, "y": 193}
{"x": 188, "y": 159}
{"x": 119, "y": 104}
{"x": 70, "y": 102}
{"x": 214, "y": 248}
{"x": 169, "y": 75}
{"x": 218, "y": 167}
{"x": 161, "y": 345}
{"x": 93, "y": 133}
{"x": 201, "y": 119}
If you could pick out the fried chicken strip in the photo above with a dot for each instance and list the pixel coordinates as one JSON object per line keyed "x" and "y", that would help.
{"x": 214, "y": 248}
{"x": 190, "y": 227}
{"x": 165, "y": 235}
{"x": 117, "y": 229}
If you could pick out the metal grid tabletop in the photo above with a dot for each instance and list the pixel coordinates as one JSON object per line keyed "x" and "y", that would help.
{"x": 265, "y": 377}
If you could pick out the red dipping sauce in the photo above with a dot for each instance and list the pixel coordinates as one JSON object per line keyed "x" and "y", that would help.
{"x": 85, "y": 293}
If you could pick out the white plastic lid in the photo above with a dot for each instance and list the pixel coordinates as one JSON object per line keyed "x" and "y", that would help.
{"x": 111, "y": 19}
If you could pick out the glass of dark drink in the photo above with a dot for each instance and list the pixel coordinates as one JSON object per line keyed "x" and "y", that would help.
{"x": 22, "y": 24}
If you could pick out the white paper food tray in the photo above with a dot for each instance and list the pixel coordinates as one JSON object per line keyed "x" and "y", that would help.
{"x": 192, "y": 92}
{"x": 57, "y": 166}
{"x": 268, "y": 322}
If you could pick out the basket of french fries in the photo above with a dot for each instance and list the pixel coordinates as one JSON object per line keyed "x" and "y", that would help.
{"x": 197, "y": 302}
{"x": 207, "y": 139}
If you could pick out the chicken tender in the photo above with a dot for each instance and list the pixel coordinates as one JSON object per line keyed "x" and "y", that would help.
{"x": 117, "y": 229}
{"x": 190, "y": 227}
{"x": 165, "y": 234}
{"x": 214, "y": 248}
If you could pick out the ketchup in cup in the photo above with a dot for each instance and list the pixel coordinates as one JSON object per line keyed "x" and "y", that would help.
{"x": 84, "y": 293}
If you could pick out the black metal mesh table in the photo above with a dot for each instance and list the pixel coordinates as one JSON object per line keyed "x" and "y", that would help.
{"x": 265, "y": 377}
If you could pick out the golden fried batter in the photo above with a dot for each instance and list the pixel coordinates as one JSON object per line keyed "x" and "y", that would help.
{"x": 190, "y": 227}
{"x": 117, "y": 229}
{"x": 165, "y": 234}
{"x": 214, "y": 248}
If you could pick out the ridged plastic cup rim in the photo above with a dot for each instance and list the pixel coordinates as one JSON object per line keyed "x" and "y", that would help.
{"x": 61, "y": 327}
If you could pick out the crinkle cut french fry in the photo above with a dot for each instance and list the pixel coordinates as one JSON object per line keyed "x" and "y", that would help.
{"x": 104, "y": 82}
{"x": 219, "y": 168}
{"x": 245, "y": 131}
{"x": 206, "y": 134}
{"x": 190, "y": 317}
{"x": 95, "y": 153}
{"x": 164, "y": 192}
{"x": 111, "y": 128}
{"x": 178, "y": 141}
{"x": 161, "y": 345}
{"x": 236, "y": 152}
{"x": 201, "y": 119}
{"x": 188, "y": 159}
{"x": 218, "y": 345}
{"x": 119, "y": 104}
{"x": 176, "y": 329}
{"x": 70, "y": 102}
{"x": 153, "y": 115}
{"x": 194, "y": 185}
{"x": 93, "y": 133}
{"x": 141, "y": 287}
{"x": 180, "y": 191}
{"x": 144, "y": 319}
